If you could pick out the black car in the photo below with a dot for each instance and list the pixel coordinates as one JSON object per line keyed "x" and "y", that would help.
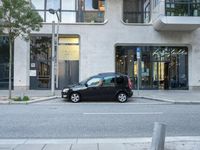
{"x": 102, "y": 86}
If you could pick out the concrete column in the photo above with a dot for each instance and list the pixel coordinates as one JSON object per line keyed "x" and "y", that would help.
{"x": 21, "y": 64}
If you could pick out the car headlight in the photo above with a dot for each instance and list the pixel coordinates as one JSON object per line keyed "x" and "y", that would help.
{"x": 65, "y": 90}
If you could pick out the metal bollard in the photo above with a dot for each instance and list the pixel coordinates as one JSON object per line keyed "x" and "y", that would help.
{"x": 158, "y": 139}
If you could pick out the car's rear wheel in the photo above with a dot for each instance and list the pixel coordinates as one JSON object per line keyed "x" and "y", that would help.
{"x": 75, "y": 97}
{"x": 122, "y": 97}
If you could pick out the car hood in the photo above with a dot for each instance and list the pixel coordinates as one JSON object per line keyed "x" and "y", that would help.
{"x": 76, "y": 86}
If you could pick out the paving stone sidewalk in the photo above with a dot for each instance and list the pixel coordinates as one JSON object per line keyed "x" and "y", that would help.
{"x": 173, "y": 96}
{"x": 172, "y": 143}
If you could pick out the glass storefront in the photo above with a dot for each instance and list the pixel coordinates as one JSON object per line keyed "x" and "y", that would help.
{"x": 66, "y": 68}
{"x": 159, "y": 67}
{"x": 4, "y": 64}
{"x": 40, "y": 63}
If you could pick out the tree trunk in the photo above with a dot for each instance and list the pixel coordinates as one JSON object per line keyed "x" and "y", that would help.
{"x": 10, "y": 67}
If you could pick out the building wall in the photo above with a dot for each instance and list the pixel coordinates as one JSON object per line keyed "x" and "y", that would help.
{"x": 98, "y": 41}
{"x": 21, "y": 64}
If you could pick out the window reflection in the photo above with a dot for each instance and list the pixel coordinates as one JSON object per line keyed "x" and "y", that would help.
{"x": 38, "y": 4}
{"x": 50, "y": 17}
{"x": 69, "y": 17}
{"x": 41, "y": 13}
{"x": 53, "y": 4}
{"x": 137, "y": 11}
{"x": 68, "y": 5}
{"x": 40, "y": 58}
{"x": 71, "y": 10}
{"x": 88, "y": 5}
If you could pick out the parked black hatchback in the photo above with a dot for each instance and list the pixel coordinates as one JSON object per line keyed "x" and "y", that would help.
{"x": 102, "y": 86}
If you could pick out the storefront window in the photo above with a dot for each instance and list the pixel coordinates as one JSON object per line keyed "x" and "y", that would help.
{"x": 159, "y": 67}
{"x": 40, "y": 65}
{"x": 4, "y": 63}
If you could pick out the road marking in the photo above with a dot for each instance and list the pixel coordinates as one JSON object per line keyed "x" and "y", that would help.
{"x": 138, "y": 113}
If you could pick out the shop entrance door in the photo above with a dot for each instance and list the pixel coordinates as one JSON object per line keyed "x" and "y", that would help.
{"x": 68, "y": 73}
{"x": 68, "y": 61}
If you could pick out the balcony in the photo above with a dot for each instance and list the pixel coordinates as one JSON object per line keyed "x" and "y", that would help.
{"x": 173, "y": 15}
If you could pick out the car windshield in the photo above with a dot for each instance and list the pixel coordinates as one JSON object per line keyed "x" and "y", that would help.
{"x": 84, "y": 81}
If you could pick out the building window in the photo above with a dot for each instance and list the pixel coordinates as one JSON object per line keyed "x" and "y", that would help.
{"x": 182, "y": 8}
{"x": 159, "y": 67}
{"x": 71, "y": 11}
{"x": 40, "y": 62}
{"x": 4, "y": 63}
{"x": 137, "y": 11}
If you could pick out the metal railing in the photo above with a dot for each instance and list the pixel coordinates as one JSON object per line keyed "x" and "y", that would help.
{"x": 182, "y": 8}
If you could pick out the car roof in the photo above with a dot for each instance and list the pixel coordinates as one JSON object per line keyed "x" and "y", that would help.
{"x": 110, "y": 74}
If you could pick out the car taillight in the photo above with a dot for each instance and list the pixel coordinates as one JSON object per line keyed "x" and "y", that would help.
{"x": 129, "y": 83}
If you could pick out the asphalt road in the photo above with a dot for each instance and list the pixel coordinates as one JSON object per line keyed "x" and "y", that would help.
{"x": 60, "y": 119}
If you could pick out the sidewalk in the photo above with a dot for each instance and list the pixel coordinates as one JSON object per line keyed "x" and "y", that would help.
{"x": 34, "y": 95}
{"x": 172, "y": 143}
{"x": 175, "y": 96}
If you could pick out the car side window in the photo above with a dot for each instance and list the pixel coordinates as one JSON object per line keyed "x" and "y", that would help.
{"x": 119, "y": 80}
{"x": 94, "y": 82}
{"x": 109, "y": 81}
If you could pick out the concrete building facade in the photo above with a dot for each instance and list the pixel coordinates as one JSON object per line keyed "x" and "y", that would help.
{"x": 99, "y": 45}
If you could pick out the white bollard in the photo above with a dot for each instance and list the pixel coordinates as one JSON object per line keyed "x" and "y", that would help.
{"x": 158, "y": 139}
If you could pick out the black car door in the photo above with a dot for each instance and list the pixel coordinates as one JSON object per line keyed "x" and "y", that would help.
{"x": 108, "y": 87}
{"x": 93, "y": 90}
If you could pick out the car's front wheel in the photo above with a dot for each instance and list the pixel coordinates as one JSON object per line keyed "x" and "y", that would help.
{"x": 122, "y": 97}
{"x": 75, "y": 97}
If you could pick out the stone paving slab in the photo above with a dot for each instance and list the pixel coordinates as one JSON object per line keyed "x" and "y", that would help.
{"x": 7, "y": 146}
{"x": 57, "y": 147}
{"x": 85, "y": 147}
{"x": 112, "y": 146}
{"x": 30, "y": 147}
{"x": 51, "y": 141}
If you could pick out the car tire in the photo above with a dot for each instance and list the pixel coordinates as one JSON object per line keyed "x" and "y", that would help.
{"x": 75, "y": 97}
{"x": 122, "y": 97}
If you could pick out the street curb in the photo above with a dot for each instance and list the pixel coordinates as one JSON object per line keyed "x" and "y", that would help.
{"x": 34, "y": 101}
{"x": 167, "y": 100}
{"x": 155, "y": 99}
{"x": 98, "y": 140}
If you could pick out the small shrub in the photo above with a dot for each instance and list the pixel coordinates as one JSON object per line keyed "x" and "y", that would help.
{"x": 26, "y": 98}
